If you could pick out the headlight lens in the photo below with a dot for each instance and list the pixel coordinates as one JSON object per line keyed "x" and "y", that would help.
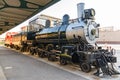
{"x": 92, "y": 12}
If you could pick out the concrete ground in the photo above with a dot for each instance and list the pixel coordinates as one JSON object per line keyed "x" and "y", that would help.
{"x": 16, "y": 66}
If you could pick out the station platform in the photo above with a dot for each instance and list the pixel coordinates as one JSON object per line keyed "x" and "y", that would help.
{"x": 17, "y": 66}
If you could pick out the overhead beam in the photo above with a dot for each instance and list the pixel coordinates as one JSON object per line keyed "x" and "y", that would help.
{"x": 28, "y": 10}
{"x": 11, "y": 21}
{"x": 39, "y": 6}
{"x": 10, "y": 26}
{"x": 13, "y": 13}
{"x": 10, "y": 17}
{"x": 18, "y": 18}
{"x": 6, "y": 23}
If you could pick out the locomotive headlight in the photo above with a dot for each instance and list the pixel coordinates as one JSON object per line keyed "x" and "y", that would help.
{"x": 89, "y": 13}
{"x": 92, "y": 12}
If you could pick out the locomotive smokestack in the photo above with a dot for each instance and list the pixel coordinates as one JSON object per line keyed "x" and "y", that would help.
{"x": 80, "y": 9}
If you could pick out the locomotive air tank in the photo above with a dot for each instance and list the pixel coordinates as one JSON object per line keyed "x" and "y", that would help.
{"x": 85, "y": 27}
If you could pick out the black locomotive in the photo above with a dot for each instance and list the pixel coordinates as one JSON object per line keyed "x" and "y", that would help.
{"x": 73, "y": 41}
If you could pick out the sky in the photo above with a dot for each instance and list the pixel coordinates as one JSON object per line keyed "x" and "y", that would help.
{"x": 107, "y": 11}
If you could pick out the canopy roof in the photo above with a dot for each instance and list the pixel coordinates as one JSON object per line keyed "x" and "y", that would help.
{"x": 14, "y": 12}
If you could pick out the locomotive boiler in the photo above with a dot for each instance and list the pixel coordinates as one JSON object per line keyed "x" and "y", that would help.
{"x": 84, "y": 27}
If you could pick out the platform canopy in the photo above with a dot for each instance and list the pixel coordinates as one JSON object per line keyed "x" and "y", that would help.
{"x": 14, "y": 12}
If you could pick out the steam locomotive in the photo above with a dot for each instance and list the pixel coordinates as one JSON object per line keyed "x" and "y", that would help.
{"x": 73, "y": 41}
